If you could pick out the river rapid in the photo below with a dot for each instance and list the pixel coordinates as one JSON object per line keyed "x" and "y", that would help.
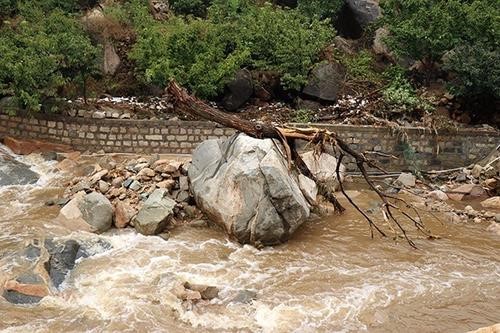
{"x": 331, "y": 277}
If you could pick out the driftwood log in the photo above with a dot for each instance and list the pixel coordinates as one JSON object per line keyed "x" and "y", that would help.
{"x": 323, "y": 141}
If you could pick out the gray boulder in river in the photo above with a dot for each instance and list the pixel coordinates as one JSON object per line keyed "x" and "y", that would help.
{"x": 155, "y": 213}
{"x": 244, "y": 185}
{"x": 13, "y": 172}
{"x": 90, "y": 212}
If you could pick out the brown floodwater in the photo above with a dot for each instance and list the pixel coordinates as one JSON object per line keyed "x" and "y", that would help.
{"x": 331, "y": 277}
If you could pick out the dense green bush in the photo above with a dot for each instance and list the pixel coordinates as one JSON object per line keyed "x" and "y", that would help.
{"x": 190, "y": 7}
{"x": 41, "y": 53}
{"x": 321, "y": 8}
{"x": 400, "y": 95}
{"x": 204, "y": 54}
{"x": 467, "y": 32}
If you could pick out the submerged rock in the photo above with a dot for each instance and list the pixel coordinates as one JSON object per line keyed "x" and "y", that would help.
{"x": 245, "y": 297}
{"x": 155, "y": 213}
{"x": 243, "y": 184}
{"x": 62, "y": 259}
{"x": 28, "y": 288}
{"x": 13, "y": 172}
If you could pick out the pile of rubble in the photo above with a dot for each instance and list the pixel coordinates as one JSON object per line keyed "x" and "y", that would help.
{"x": 147, "y": 194}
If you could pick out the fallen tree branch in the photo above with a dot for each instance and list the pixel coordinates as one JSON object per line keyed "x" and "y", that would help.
{"x": 321, "y": 140}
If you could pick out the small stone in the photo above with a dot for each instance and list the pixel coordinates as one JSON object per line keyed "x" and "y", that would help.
{"x": 183, "y": 183}
{"x": 146, "y": 172}
{"x": 494, "y": 227}
{"x": 438, "y": 195}
{"x": 462, "y": 177}
{"x": 478, "y": 220}
{"x": 476, "y": 171}
{"x": 406, "y": 179}
{"x": 493, "y": 202}
{"x": 165, "y": 235}
{"x": 117, "y": 182}
{"x": 99, "y": 115}
{"x": 168, "y": 184}
{"x": 125, "y": 116}
{"x": 123, "y": 214}
{"x": 135, "y": 186}
{"x": 103, "y": 186}
{"x": 491, "y": 183}
{"x": 182, "y": 196}
{"x": 497, "y": 218}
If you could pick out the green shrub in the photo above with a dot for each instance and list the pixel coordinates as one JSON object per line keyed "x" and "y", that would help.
{"x": 466, "y": 33}
{"x": 41, "y": 54}
{"x": 205, "y": 54}
{"x": 400, "y": 95}
{"x": 190, "y": 7}
{"x": 321, "y": 8}
{"x": 302, "y": 116}
{"x": 361, "y": 66}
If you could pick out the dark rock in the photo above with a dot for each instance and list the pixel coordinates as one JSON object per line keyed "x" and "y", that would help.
{"x": 325, "y": 81}
{"x": 17, "y": 298}
{"x": 62, "y": 259}
{"x": 238, "y": 91}
{"x": 206, "y": 292}
{"x": 49, "y": 156}
{"x": 365, "y": 11}
{"x": 13, "y": 172}
{"x": 32, "y": 252}
{"x": 245, "y": 296}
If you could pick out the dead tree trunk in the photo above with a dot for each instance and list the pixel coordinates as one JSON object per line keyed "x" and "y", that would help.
{"x": 322, "y": 140}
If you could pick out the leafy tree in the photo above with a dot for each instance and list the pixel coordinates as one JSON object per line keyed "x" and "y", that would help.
{"x": 190, "y": 7}
{"x": 41, "y": 54}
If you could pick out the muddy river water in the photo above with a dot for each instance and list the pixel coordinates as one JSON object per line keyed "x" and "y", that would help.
{"x": 331, "y": 277}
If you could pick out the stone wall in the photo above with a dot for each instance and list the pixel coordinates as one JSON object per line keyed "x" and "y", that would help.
{"x": 424, "y": 149}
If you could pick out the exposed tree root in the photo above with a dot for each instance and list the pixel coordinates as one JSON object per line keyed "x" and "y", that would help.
{"x": 321, "y": 140}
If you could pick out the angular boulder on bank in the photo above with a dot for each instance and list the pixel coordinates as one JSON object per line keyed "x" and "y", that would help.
{"x": 154, "y": 215}
{"x": 243, "y": 184}
{"x": 92, "y": 212}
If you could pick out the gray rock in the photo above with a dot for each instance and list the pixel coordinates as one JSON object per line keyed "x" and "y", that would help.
{"x": 13, "y": 172}
{"x": 111, "y": 59}
{"x": 183, "y": 183}
{"x": 155, "y": 213}
{"x": 182, "y": 196}
{"x": 97, "y": 211}
{"x": 103, "y": 186}
{"x": 99, "y": 115}
{"x": 497, "y": 218}
{"x": 406, "y": 179}
{"x": 62, "y": 259}
{"x": 365, "y": 11}
{"x": 324, "y": 168}
{"x": 325, "y": 81}
{"x": 245, "y": 297}
{"x": 31, "y": 284}
{"x": 135, "y": 186}
{"x": 243, "y": 184}
{"x": 238, "y": 91}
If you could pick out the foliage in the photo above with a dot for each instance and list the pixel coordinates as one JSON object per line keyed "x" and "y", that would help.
{"x": 190, "y": 7}
{"x": 321, "y": 8}
{"x": 302, "y": 116}
{"x": 476, "y": 69}
{"x": 400, "y": 95}
{"x": 360, "y": 66}
{"x": 41, "y": 54}
{"x": 205, "y": 54}
{"x": 466, "y": 33}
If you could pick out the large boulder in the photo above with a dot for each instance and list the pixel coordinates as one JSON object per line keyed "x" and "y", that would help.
{"x": 89, "y": 212}
{"x": 365, "y": 11}
{"x": 13, "y": 172}
{"x": 238, "y": 91}
{"x": 325, "y": 82}
{"x": 324, "y": 168}
{"x": 155, "y": 213}
{"x": 243, "y": 184}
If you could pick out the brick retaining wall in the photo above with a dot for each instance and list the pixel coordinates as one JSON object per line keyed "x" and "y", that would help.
{"x": 431, "y": 151}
